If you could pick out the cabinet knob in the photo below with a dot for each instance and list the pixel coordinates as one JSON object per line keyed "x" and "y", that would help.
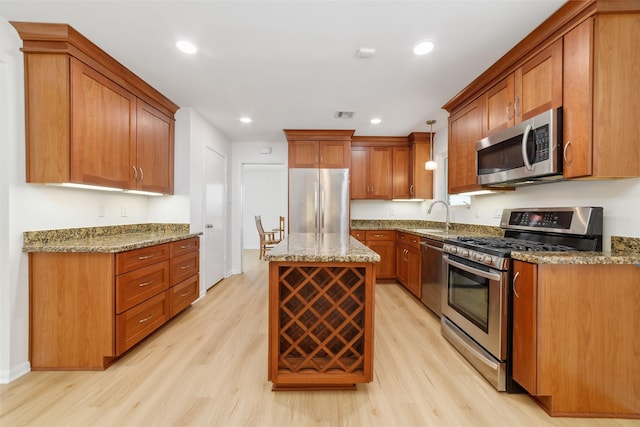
{"x": 209, "y": 225}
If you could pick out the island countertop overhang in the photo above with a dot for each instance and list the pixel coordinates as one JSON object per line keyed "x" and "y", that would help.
{"x": 329, "y": 247}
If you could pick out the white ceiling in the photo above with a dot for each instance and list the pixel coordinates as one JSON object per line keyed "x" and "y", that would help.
{"x": 292, "y": 64}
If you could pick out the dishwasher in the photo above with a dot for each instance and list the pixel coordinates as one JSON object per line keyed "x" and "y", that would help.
{"x": 432, "y": 274}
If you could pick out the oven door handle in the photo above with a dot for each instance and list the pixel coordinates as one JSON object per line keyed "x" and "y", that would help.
{"x": 485, "y": 274}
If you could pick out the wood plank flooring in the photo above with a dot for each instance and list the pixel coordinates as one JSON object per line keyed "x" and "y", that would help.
{"x": 208, "y": 367}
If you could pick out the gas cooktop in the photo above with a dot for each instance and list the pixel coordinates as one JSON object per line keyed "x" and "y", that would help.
{"x": 505, "y": 245}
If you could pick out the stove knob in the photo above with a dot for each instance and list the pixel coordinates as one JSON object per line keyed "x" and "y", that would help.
{"x": 477, "y": 257}
{"x": 452, "y": 250}
{"x": 464, "y": 253}
{"x": 487, "y": 259}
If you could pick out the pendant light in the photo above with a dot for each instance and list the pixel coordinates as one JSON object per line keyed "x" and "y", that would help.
{"x": 431, "y": 164}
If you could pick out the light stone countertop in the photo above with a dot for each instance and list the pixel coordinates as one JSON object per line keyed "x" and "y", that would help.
{"x": 311, "y": 247}
{"x": 109, "y": 239}
{"x": 577, "y": 257}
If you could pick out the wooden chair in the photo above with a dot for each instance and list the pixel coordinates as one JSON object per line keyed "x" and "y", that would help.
{"x": 280, "y": 230}
{"x": 267, "y": 238}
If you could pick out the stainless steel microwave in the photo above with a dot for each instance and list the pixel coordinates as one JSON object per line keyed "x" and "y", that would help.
{"x": 527, "y": 153}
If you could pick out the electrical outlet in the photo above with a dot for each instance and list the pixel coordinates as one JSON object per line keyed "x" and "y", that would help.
{"x": 101, "y": 211}
{"x": 392, "y": 212}
{"x": 497, "y": 213}
{"x": 123, "y": 211}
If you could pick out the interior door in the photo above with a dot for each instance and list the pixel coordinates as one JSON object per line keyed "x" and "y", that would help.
{"x": 215, "y": 231}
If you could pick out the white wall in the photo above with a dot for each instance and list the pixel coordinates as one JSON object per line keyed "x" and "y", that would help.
{"x": 196, "y": 134}
{"x": 265, "y": 194}
{"x": 249, "y": 153}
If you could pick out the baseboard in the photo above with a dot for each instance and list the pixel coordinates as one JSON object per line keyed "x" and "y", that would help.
{"x": 6, "y": 376}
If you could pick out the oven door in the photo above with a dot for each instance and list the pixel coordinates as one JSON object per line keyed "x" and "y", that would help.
{"x": 476, "y": 302}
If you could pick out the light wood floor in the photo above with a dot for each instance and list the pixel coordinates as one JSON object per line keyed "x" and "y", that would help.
{"x": 208, "y": 367}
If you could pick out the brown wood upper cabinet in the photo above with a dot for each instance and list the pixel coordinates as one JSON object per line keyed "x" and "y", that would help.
{"x": 371, "y": 172}
{"x": 465, "y": 129}
{"x": 532, "y": 89}
{"x": 319, "y": 148}
{"x": 89, "y": 119}
{"x": 580, "y": 59}
{"x": 602, "y": 97}
{"x": 421, "y": 180}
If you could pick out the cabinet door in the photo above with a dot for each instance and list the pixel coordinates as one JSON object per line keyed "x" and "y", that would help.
{"x": 499, "y": 110}
{"x": 402, "y": 263}
{"x": 413, "y": 283}
{"x": 386, "y": 268}
{"x": 334, "y": 154}
{"x": 103, "y": 129}
{"x": 465, "y": 129}
{"x": 524, "y": 325}
{"x": 577, "y": 104}
{"x": 401, "y": 171}
{"x": 422, "y": 179}
{"x": 538, "y": 83}
{"x": 380, "y": 161}
{"x": 303, "y": 154}
{"x": 359, "y": 172}
{"x": 154, "y": 150}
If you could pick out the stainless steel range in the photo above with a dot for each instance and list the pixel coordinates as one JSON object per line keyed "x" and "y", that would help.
{"x": 476, "y": 307}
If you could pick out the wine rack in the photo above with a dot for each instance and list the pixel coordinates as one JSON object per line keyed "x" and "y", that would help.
{"x": 321, "y": 328}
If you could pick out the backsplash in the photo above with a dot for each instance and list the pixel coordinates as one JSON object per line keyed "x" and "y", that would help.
{"x": 382, "y": 224}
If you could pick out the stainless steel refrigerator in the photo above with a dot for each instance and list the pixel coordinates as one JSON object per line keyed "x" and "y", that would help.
{"x": 318, "y": 200}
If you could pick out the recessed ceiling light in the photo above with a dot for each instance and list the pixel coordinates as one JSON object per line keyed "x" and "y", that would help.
{"x": 375, "y": 121}
{"x": 186, "y": 47}
{"x": 423, "y": 48}
{"x": 245, "y": 119}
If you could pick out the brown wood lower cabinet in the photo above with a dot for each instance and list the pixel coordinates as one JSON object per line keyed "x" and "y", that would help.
{"x": 575, "y": 337}
{"x": 87, "y": 308}
{"x": 408, "y": 261}
{"x": 383, "y": 242}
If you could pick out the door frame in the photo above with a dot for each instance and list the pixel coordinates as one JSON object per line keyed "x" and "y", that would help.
{"x": 243, "y": 203}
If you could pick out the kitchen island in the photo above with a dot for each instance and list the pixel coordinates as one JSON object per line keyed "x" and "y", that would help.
{"x": 321, "y": 300}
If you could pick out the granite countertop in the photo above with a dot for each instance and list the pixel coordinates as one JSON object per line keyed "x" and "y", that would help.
{"x": 577, "y": 257}
{"x": 109, "y": 239}
{"x": 430, "y": 229}
{"x": 310, "y": 247}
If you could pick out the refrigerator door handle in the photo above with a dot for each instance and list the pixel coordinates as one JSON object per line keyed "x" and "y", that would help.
{"x": 315, "y": 203}
{"x": 321, "y": 210}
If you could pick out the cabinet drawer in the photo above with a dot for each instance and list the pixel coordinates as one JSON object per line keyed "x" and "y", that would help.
{"x": 138, "y": 285}
{"x": 137, "y": 258}
{"x": 359, "y": 234}
{"x": 184, "y": 266}
{"x": 183, "y": 294}
{"x": 381, "y": 235}
{"x": 412, "y": 240}
{"x": 181, "y": 247}
{"x": 138, "y": 322}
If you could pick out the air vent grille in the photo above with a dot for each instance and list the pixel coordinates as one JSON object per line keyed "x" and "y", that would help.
{"x": 344, "y": 115}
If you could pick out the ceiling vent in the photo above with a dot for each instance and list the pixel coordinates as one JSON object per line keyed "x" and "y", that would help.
{"x": 344, "y": 115}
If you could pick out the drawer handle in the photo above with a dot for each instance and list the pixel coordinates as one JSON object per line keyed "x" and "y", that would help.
{"x": 145, "y": 257}
{"x": 184, "y": 267}
{"x": 185, "y": 246}
{"x": 185, "y": 294}
{"x": 378, "y": 235}
{"x": 145, "y": 319}
{"x": 142, "y": 285}
{"x": 514, "y": 284}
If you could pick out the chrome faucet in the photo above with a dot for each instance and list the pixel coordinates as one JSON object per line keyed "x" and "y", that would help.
{"x": 446, "y": 224}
